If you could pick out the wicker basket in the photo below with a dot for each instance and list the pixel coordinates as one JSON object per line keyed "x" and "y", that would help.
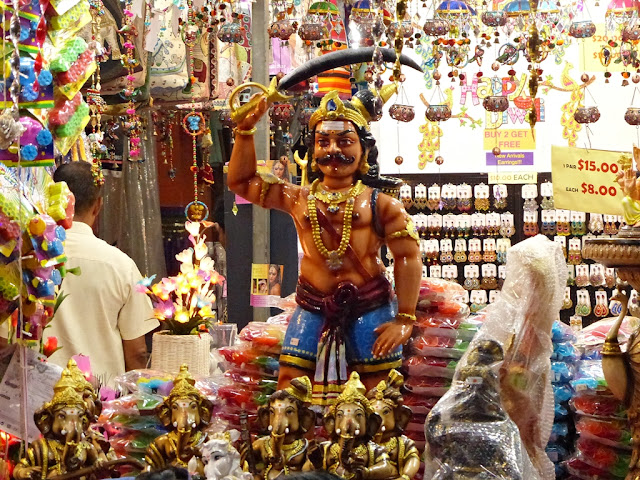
{"x": 171, "y": 351}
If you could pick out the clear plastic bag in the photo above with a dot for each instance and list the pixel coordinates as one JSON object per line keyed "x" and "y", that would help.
{"x": 612, "y": 432}
{"x": 603, "y": 406}
{"x": 561, "y": 332}
{"x": 262, "y": 334}
{"x": 428, "y": 386}
{"x": 469, "y": 434}
{"x": 589, "y": 377}
{"x": 562, "y": 372}
{"x": 419, "y": 366}
{"x": 611, "y": 460}
{"x": 520, "y": 323}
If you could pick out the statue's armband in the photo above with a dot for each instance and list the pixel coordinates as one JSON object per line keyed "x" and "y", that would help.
{"x": 408, "y": 231}
{"x": 268, "y": 179}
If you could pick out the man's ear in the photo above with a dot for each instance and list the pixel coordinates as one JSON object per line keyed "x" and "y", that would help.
{"x": 98, "y": 206}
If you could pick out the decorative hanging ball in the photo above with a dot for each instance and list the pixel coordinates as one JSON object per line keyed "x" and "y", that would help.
{"x": 495, "y": 66}
{"x": 584, "y": 77}
{"x": 439, "y": 160}
{"x": 230, "y": 82}
{"x": 632, "y": 116}
{"x": 399, "y": 160}
{"x": 587, "y": 115}
{"x": 635, "y": 78}
{"x": 437, "y": 75}
{"x": 496, "y": 151}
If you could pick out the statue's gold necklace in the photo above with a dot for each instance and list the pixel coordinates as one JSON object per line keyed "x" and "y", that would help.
{"x": 334, "y": 257}
{"x": 290, "y": 451}
{"x": 334, "y": 199}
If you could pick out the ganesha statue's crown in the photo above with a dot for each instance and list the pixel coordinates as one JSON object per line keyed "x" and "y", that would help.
{"x": 394, "y": 381}
{"x": 65, "y": 393}
{"x": 354, "y": 392}
{"x": 300, "y": 389}
{"x": 183, "y": 386}
{"x": 80, "y": 381}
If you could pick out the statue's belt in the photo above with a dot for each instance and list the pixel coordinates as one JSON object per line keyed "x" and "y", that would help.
{"x": 346, "y": 301}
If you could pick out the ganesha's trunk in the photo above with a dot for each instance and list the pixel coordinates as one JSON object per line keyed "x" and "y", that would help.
{"x": 346, "y": 447}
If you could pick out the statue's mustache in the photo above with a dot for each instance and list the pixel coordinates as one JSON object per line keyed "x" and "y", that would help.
{"x": 336, "y": 157}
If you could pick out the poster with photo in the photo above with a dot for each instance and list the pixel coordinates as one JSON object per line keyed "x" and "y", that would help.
{"x": 266, "y": 284}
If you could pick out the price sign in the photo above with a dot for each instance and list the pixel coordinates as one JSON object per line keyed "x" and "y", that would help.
{"x": 584, "y": 180}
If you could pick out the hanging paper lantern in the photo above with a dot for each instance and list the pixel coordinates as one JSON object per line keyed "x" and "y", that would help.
{"x": 632, "y": 116}
{"x": 438, "y": 113}
{"x": 494, "y": 18}
{"x": 495, "y": 103}
{"x": 586, "y": 115}
{"x": 584, "y": 29}
{"x": 436, "y": 27}
{"x": 402, "y": 113}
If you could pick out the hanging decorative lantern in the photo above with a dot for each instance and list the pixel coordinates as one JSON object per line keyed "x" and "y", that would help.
{"x": 584, "y": 29}
{"x": 517, "y": 8}
{"x": 311, "y": 28}
{"x": 632, "y": 116}
{"x": 305, "y": 115}
{"x": 436, "y": 27}
{"x": 232, "y": 32}
{"x": 454, "y": 8}
{"x": 494, "y": 18}
{"x": 622, "y": 11}
{"x": 282, "y": 29}
{"x": 631, "y": 32}
{"x": 225, "y": 118}
{"x": 586, "y": 115}
{"x": 281, "y": 114}
{"x": 405, "y": 28}
{"x": 495, "y": 103}
{"x": 402, "y": 113}
{"x": 438, "y": 113}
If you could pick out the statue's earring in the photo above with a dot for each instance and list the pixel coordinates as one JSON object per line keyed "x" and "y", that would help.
{"x": 364, "y": 164}
{"x": 314, "y": 165}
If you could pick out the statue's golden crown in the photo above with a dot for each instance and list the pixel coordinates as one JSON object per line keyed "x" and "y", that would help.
{"x": 80, "y": 381}
{"x": 183, "y": 386}
{"x": 302, "y": 394}
{"x": 65, "y": 393}
{"x": 333, "y": 108}
{"x": 354, "y": 392}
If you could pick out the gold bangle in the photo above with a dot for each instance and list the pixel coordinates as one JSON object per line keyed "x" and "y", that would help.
{"x": 246, "y": 133}
{"x": 406, "y": 316}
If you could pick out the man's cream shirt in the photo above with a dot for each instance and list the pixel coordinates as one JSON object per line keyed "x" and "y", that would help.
{"x": 102, "y": 307}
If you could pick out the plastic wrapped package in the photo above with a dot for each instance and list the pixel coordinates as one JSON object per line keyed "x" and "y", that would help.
{"x": 520, "y": 322}
{"x": 468, "y": 432}
{"x": 562, "y": 393}
{"x": 420, "y": 404}
{"x": 559, "y": 432}
{"x": 562, "y": 372}
{"x": 609, "y": 459}
{"x": 244, "y": 353}
{"x": 419, "y": 366}
{"x": 263, "y": 334}
{"x": 468, "y": 329}
{"x": 442, "y": 347}
{"x": 589, "y": 377}
{"x": 428, "y": 386}
{"x": 561, "y": 332}
{"x": 605, "y": 406}
{"x": 612, "y": 432}
{"x": 560, "y": 412}
{"x": 595, "y": 333}
{"x": 579, "y": 469}
{"x": 427, "y": 320}
{"x": 565, "y": 352}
